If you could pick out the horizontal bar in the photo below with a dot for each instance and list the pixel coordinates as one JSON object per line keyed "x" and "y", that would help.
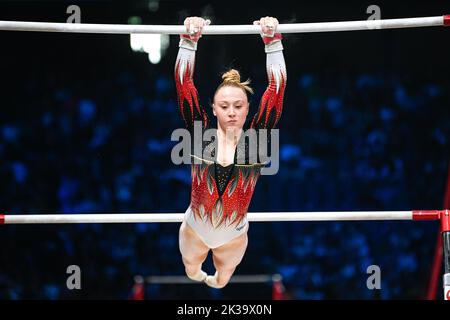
{"x": 178, "y": 217}
{"x": 261, "y": 278}
{"x": 226, "y": 29}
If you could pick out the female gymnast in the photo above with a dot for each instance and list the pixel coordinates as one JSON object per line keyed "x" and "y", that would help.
{"x": 222, "y": 187}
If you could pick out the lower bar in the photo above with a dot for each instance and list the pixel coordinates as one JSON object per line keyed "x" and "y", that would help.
{"x": 178, "y": 217}
{"x": 259, "y": 278}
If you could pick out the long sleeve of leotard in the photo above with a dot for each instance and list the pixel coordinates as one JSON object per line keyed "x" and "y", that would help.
{"x": 188, "y": 100}
{"x": 271, "y": 105}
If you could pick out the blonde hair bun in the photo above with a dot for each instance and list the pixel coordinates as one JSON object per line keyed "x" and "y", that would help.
{"x": 232, "y": 77}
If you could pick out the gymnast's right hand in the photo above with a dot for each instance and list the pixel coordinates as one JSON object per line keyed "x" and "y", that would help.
{"x": 194, "y": 27}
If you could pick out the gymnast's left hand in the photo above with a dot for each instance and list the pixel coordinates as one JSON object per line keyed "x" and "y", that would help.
{"x": 268, "y": 25}
{"x": 194, "y": 27}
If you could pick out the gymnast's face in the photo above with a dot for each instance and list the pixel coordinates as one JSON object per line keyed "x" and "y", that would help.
{"x": 230, "y": 107}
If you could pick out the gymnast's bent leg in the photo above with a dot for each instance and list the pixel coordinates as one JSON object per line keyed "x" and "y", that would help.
{"x": 226, "y": 258}
{"x": 193, "y": 252}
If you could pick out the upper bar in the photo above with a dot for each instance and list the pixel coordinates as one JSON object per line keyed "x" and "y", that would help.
{"x": 226, "y": 29}
{"x": 178, "y": 217}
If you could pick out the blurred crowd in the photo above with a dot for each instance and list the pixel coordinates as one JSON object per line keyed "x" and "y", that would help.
{"x": 348, "y": 142}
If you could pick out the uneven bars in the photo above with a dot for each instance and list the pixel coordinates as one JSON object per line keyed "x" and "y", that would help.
{"x": 227, "y": 29}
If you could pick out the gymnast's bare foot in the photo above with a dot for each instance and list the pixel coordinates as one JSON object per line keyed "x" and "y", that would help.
{"x": 212, "y": 282}
{"x": 199, "y": 276}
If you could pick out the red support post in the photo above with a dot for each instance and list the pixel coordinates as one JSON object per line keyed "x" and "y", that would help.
{"x": 437, "y": 259}
{"x": 435, "y": 269}
{"x": 445, "y": 221}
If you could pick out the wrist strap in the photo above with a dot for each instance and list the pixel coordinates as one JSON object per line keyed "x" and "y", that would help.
{"x": 276, "y": 37}
{"x": 187, "y": 43}
{"x": 273, "y": 46}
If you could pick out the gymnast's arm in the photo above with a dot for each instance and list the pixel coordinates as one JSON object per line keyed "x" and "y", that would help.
{"x": 187, "y": 96}
{"x": 271, "y": 105}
